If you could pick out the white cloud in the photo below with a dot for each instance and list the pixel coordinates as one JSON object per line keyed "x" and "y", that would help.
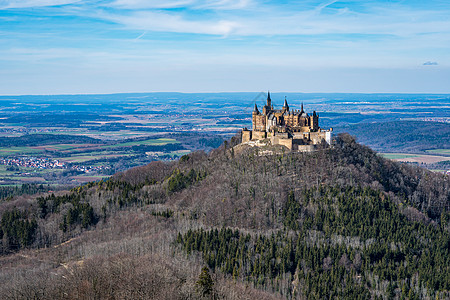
{"x": 249, "y": 18}
{"x": 193, "y": 4}
{"x": 149, "y": 4}
{"x": 159, "y": 21}
{"x": 6, "y": 4}
{"x": 225, "y": 4}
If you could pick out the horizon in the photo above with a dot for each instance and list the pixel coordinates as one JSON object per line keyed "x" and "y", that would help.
{"x": 56, "y": 47}
{"x": 224, "y": 92}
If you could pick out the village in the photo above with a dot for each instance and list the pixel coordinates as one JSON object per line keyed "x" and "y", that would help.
{"x": 47, "y": 163}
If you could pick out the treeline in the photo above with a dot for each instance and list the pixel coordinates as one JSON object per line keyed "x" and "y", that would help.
{"x": 45, "y": 139}
{"x": 159, "y": 148}
{"x": 346, "y": 241}
{"x": 179, "y": 181}
{"x": 17, "y": 230}
{"x": 80, "y": 212}
{"x": 24, "y": 189}
{"x": 424, "y": 190}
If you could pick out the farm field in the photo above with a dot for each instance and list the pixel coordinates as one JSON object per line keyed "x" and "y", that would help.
{"x": 78, "y": 163}
{"x": 416, "y": 158}
{"x": 8, "y": 151}
{"x": 440, "y": 151}
{"x": 398, "y": 156}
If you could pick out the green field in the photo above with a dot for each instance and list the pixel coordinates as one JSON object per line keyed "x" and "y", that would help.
{"x": 6, "y": 151}
{"x": 152, "y": 142}
{"x": 63, "y": 147}
{"x": 398, "y": 155}
{"x": 439, "y": 151}
{"x": 85, "y": 158}
{"x": 80, "y": 148}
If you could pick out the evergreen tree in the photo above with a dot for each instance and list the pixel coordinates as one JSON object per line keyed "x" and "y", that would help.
{"x": 205, "y": 283}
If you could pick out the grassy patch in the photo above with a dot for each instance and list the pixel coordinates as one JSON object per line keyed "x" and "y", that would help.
{"x": 7, "y": 151}
{"x": 440, "y": 151}
{"x": 152, "y": 142}
{"x": 398, "y": 155}
{"x": 85, "y": 158}
{"x": 65, "y": 147}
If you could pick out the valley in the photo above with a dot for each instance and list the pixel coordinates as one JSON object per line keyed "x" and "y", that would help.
{"x": 43, "y": 141}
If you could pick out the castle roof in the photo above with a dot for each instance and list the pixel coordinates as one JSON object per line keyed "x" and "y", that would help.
{"x": 285, "y": 103}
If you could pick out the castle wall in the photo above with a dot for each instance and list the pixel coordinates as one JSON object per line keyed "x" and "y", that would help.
{"x": 246, "y": 135}
{"x": 328, "y": 137}
{"x": 259, "y": 135}
{"x": 318, "y": 137}
{"x": 305, "y": 148}
{"x": 285, "y": 142}
{"x": 282, "y": 141}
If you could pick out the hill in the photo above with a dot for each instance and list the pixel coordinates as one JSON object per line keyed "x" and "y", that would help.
{"x": 236, "y": 224}
{"x": 44, "y": 139}
{"x": 401, "y": 136}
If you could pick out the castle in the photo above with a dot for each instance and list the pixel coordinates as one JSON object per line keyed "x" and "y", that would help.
{"x": 294, "y": 129}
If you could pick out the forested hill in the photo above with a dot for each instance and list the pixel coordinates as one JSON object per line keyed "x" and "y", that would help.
{"x": 237, "y": 223}
{"x": 44, "y": 139}
{"x": 401, "y": 136}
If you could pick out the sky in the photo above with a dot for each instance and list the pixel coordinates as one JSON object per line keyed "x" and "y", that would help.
{"x": 110, "y": 46}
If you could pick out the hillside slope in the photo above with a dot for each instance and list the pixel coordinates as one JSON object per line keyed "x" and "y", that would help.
{"x": 341, "y": 222}
{"x": 401, "y": 136}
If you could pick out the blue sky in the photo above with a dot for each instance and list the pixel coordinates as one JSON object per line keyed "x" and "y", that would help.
{"x": 107, "y": 46}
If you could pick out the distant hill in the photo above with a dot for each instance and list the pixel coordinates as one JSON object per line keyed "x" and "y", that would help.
{"x": 263, "y": 223}
{"x": 401, "y": 136}
{"x": 45, "y": 139}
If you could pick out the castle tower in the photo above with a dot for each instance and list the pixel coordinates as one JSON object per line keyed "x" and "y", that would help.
{"x": 255, "y": 115}
{"x": 315, "y": 121}
{"x": 285, "y": 105}
{"x": 255, "y": 110}
{"x": 268, "y": 107}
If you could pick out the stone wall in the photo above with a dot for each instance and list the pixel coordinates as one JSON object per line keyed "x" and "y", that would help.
{"x": 246, "y": 135}
{"x": 259, "y": 135}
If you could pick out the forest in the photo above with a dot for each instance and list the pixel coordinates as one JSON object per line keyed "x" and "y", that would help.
{"x": 236, "y": 223}
{"x": 401, "y": 136}
{"x": 44, "y": 139}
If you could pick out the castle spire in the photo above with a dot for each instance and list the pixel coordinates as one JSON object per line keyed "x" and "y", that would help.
{"x": 256, "y": 109}
{"x": 285, "y": 105}
{"x": 269, "y": 101}
{"x": 302, "y": 107}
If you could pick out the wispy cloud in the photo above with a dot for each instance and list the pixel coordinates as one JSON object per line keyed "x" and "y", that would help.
{"x": 193, "y": 4}
{"x": 430, "y": 63}
{"x": 140, "y": 36}
{"x": 149, "y": 4}
{"x": 165, "y": 22}
{"x": 254, "y": 18}
{"x": 8, "y": 4}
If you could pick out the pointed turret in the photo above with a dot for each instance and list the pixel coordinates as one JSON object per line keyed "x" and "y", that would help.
{"x": 268, "y": 107}
{"x": 285, "y": 105}
{"x": 255, "y": 110}
{"x": 302, "y": 108}
{"x": 269, "y": 101}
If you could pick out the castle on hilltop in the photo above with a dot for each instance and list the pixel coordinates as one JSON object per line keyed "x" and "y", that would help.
{"x": 294, "y": 129}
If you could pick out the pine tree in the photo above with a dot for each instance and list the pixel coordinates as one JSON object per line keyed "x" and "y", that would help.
{"x": 205, "y": 283}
